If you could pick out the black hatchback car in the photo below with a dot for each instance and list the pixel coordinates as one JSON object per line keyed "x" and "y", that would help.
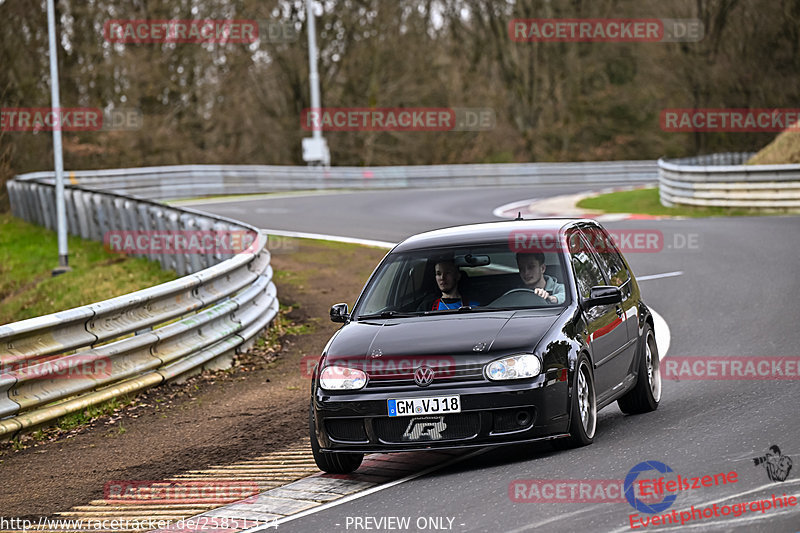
{"x": 481, "y": 335}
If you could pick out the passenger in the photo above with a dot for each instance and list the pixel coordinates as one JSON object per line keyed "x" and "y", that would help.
{"x": 531, "y": 270}
{"x": 447, "y": 277}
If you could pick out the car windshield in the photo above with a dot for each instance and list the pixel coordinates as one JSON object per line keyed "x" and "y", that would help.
{"x": 463, "y": 279}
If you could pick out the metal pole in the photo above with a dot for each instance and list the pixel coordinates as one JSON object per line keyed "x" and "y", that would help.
{"x": 61, "y": 212}
{"x": 313, "y": 74}
{"x": 315, "y": 149}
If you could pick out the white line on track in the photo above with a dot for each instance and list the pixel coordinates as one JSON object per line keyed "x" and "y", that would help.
{"x": 663, "y": 337}
{"x": 367, "y": 492}
{"x": 659, "y": 276}
{"x": 557, "y": 518}
{"x": 249, "y": 197}
{"x": 323, "y": 237}
{"x": 499, "y": 212}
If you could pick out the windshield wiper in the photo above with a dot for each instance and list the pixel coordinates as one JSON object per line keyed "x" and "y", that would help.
{"x": 388, "y": 314}
{"x": 462, "y": 309}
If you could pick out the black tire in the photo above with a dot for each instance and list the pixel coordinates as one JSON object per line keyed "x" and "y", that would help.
{"x": 330, "y": 462}
{"x": 646, "y": 394}
{"x": 583, "y": 408}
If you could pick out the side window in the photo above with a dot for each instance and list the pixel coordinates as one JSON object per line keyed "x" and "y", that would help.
{"x": 610, "y": 260}
{"x": 410, "y": 282}
{"x": 587, "y": 271}
{"x": 378, "y": 298}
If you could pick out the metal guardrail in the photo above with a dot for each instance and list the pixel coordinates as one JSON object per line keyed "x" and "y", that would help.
{"x": 724, "y": 180}
{"x": 223, "y": 301}
{"x": 187, "y": 181}
{"x": 140, "y": 339}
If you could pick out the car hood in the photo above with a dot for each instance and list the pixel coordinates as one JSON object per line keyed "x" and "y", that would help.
{"x": 479, "y": 335}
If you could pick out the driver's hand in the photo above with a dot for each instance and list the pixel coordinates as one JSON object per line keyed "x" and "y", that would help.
{"x": 545, "y": 295}
{"x": 540, "y": 292}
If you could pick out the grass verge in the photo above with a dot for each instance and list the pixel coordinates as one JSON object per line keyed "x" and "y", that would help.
{"x": 646, "y": 202}
{"x": 28, "y": 253}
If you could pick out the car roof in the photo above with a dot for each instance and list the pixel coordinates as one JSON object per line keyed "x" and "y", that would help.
{"x": 483, "y": 233}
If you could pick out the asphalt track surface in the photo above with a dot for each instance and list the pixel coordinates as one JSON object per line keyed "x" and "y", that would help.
{"x": 737, "y": 296}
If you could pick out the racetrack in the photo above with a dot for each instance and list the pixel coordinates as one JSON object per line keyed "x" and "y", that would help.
{"x": 735, "y": 297}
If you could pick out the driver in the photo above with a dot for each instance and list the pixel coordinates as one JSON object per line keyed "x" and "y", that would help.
{"x": 447, "y": 277}
{"x": 531, "y": 270}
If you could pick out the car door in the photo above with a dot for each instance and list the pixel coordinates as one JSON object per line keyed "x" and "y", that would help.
{"x": 606, "y": 333}
{"x": 617, "y": 274}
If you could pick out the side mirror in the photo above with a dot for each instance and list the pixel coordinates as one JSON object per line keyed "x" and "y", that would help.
{"x": 339, "y": 313}
{"x": 603, "y": 295}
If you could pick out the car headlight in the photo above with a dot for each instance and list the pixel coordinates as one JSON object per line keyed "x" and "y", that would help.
{"x": 520, "y": 366}
{"x": 342, "y": 378}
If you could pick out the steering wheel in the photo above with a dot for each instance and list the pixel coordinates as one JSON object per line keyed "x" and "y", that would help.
{"x": 518, "y": 298}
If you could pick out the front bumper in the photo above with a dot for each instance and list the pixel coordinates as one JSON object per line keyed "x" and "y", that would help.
{"x": 491, "y": 414}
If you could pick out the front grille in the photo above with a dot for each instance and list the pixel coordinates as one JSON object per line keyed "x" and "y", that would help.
{"x": 346, "y": 429}
{"x": 443, "y": 374}
{"x": 429, "y": 428}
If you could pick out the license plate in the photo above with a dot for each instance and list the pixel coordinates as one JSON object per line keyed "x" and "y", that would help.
{"x": 424, "y": 406}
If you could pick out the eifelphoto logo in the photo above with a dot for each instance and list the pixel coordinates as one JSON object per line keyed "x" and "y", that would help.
{"x": 35, "y": 119}
{"x": 775, "y": 463}
{"x": 180, "y": 242}
{"x": 70, "y": 367}
{"x": 716, "y": 368}
{"x": 637, "y": 502}
{"x": 193, "y": 31}
{"x": 121, "y": 492}
{"x": 704, "y": 512}
{"x": 606, "y": 30}
{"x": 664, "y": 488}
{"x": 733, "y": 120}
{"x": 398, "y": 119}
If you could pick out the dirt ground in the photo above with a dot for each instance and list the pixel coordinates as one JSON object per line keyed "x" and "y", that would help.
{"x": 213, "y": 419}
